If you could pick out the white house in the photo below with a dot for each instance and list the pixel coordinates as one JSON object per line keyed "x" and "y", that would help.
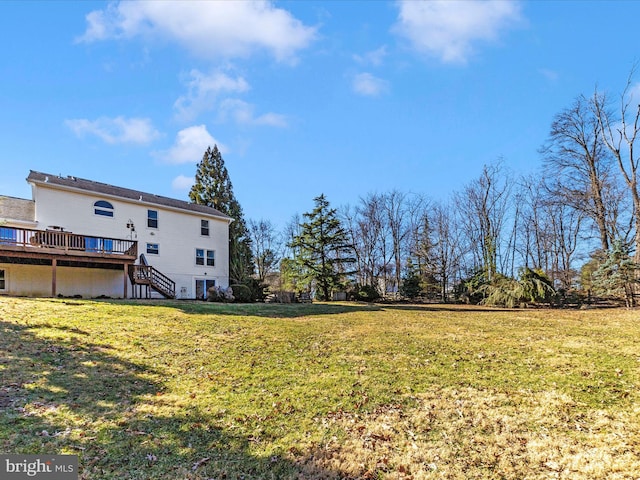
{"x": 80, "y": 237}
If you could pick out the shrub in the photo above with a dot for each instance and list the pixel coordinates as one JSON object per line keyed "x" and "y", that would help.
{"x": 537, "y": 287}
{"x": 366, "y": 293}
{"x": 473, "y": 288}
{"x": 282, "y": 296}
{"x": 532, "y": 287}
{"x": 257, "y": 288}
{"x": 410, "y": 286}
{"x": 220, "y": 294}
{"x": 242, "y": 293}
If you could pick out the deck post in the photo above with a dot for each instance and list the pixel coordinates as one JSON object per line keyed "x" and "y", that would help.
{"x": 54, "y": 268}
{"x": 125, "y": 266}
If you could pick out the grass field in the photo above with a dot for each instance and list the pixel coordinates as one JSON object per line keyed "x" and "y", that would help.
{"x": 185, "y": 390}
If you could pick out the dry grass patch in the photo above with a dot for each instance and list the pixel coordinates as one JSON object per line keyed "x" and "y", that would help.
{"x": 469, "y": 433}
{"x": 188, "y": 390}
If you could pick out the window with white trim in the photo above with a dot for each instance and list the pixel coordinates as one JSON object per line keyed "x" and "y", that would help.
{"x": 205, "y": 257}
{"x": 103, "y": 208}
{"x": 204, "y": 228}
{"x": 153, "y": 248}
{"x": 152, "y": 218}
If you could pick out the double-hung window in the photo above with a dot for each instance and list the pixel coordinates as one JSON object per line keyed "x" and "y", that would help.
{"x": 204, "y": 228}
{"x": 3, "y": 280}
{"x": 205, "y": 257}
{"x": 152, "y": 218}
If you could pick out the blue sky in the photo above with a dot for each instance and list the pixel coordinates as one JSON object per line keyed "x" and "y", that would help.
{"x": 336, "y": 97}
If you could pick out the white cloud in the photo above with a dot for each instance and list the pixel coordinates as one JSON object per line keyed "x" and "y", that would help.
{"x": 116, "y": 130}
{"x": 211, "y": 29}
{"x": 374, "y": 57}
{"x": 549, "y": 74}
{"x": 203, "y": 91}
{"x": 189, "y": 146}
{"x": 243, "y": 114}
{"x": 634, "y": 93}
{"x": 182, "y": 182}
{"x": 449, "y": 29}
{"x": 368, "y": 85}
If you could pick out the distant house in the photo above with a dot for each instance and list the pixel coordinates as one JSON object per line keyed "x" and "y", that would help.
{"x": 78, "y": 237}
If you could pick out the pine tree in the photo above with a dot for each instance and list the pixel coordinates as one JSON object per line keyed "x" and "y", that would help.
{"x": 213, "y": 188}
{"x": 411, "y": 282}
{"x": 617, "y": 274}
{"x": 323, "y": 252}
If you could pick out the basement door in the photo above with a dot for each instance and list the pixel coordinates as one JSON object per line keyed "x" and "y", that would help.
{"x": 202, "y": 285}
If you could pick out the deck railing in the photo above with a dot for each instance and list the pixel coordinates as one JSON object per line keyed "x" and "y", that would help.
{"x": 69, "y": 242}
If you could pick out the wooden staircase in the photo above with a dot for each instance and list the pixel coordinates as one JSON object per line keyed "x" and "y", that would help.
{"x": 146, "y": 275}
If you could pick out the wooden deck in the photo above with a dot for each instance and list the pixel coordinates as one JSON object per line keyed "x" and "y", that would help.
{"x": 35, "y": 244}
{"x": 59, "y": 248}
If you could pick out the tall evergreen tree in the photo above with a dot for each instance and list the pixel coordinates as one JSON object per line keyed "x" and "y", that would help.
{"x": 323, "y": 252}
{"x": 213, "y": 188}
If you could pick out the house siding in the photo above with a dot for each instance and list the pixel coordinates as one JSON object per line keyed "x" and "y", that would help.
{"x": 178, "y": 233}
{"x": 68, "y": 204}
{"x": 16, "y": 211}
{"x": 35, "y": 281}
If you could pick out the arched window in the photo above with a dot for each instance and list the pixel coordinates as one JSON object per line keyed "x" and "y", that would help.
{"x": 104, "y": 208}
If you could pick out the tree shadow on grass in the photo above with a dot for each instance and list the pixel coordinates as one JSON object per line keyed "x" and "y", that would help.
{"x": 444, "y": 307}
{"x": 73, "y": 396}
{"x": 294, "y": 310}
{"x": 268, "y": 310}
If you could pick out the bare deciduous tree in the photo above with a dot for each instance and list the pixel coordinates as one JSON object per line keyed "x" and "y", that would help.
{"x": 566, "y": 226}
{"x": 620, "y": 132}
{"x": 266, "y": 247}
{"x": 577, "y": 160}
{"x": 366, "y": 227}
{"x": 483, "y": 206}
{"x": 445, "y": 247}
{"x": 396, "y": 212}
{"x": 551, "y": 231}
{"x": 536, "y": 238}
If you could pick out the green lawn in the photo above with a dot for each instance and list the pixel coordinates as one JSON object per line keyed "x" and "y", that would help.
{"x": 186, "y": 390}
